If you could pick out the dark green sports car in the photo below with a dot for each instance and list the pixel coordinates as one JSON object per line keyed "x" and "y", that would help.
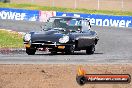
{"x": 62, "y": 34}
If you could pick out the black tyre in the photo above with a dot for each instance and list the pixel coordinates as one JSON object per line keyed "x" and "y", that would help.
{"x": 53, "y": 52}
{"x": 90, "y": 49}
{"x": 81, "y": 80}
{"x": 69, "y": 50}
{"x": 30, "y": 51}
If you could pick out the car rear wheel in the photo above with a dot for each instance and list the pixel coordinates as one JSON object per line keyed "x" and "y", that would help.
{"x": 90, "y": 49}
{"x": 30, "y": 51}
{"x": 69, "y": 50}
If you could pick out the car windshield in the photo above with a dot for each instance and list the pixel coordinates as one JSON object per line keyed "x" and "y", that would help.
{"x": 72, "y": 24}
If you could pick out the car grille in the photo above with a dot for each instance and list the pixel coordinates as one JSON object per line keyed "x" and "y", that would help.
{"x": 49, "y": 42}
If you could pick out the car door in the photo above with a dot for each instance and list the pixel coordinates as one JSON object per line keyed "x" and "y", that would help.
{"x": 85, "y": 37}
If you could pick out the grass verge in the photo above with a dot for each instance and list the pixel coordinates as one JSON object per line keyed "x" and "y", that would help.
{"x": 47, "y": 8}
{"x": 10, "y": 40}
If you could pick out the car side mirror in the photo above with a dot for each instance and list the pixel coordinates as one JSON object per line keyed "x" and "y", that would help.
{"x": 42, "y": 28}
{"x": 89, "y": 25}
{"x": 48, "y": 20}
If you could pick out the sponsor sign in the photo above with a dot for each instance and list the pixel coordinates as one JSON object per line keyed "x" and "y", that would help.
{"x": 102, "y": 20}
{"x": 83, "y": 78}
{"x": 45, "y": 15}
{"x": 42, "y": 16}
{"x": 19, "y": 14}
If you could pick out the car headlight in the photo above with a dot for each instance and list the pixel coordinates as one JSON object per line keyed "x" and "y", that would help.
{"x": 64, "y": 39}
{"x": 27, "y": 37}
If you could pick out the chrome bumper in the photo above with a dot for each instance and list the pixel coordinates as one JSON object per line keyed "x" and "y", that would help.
{"x": 53, "y": 44}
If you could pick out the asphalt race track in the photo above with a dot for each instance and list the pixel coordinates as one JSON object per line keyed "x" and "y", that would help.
{"x": 114, "y": 46}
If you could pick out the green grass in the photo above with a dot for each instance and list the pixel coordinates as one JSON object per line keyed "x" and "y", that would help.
{"x": 46, "y": 8}
{"x": 10, "y": 40}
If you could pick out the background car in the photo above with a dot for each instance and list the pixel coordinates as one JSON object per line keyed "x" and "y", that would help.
{"x": 62, "y": 34}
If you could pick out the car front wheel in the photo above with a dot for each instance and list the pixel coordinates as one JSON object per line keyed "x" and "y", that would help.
{"x": 90, "y": 49}
{"x": 69, "y": 50}
{"x": 53, "y": 52}
{"x": 30, "y": 51}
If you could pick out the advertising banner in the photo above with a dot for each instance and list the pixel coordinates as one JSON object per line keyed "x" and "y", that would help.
{"x": 102, "y": 20}
{"x": 19, "y": 14}
{"x": 42, "y": 16}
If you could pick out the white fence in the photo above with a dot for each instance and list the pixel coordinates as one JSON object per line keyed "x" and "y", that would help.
{"x": 123, "y": 5}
